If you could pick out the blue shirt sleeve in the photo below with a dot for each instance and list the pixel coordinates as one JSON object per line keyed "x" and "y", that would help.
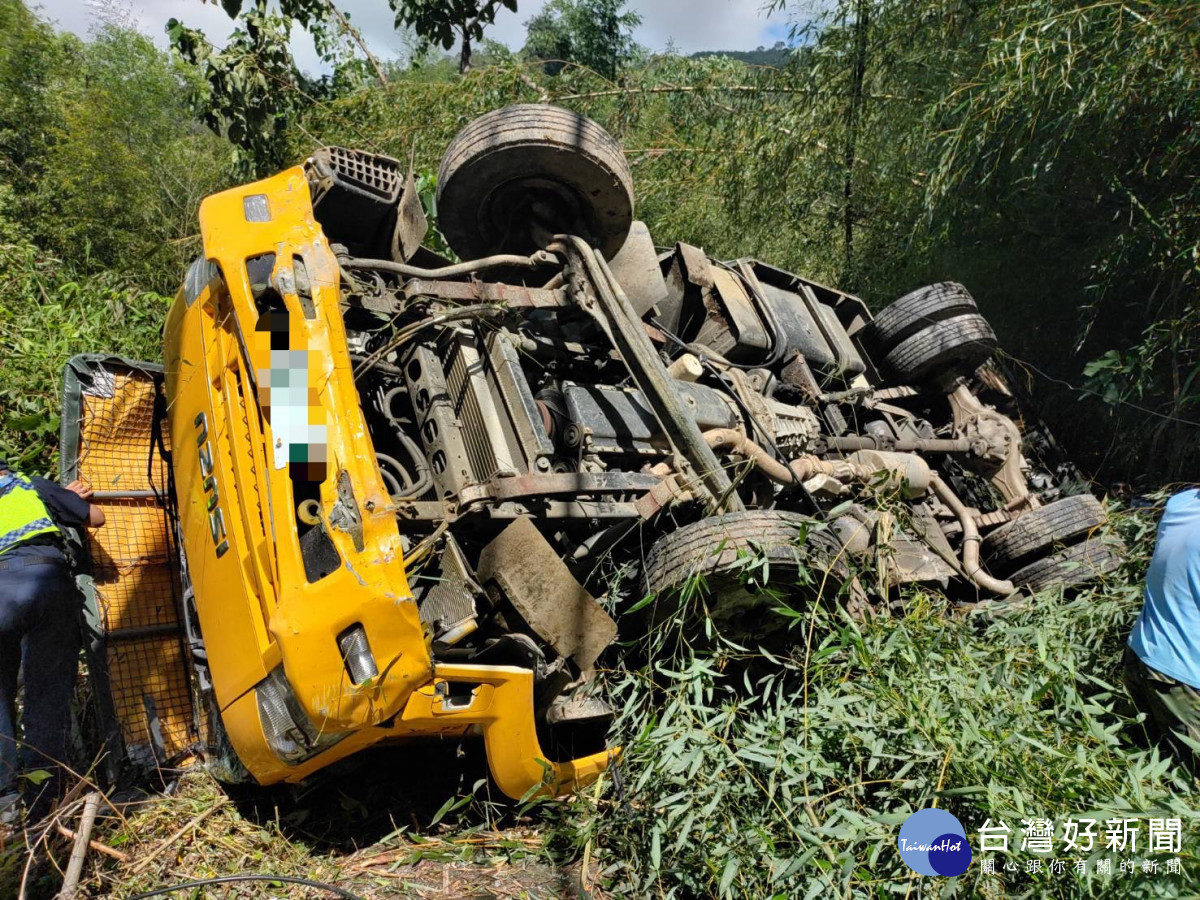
{"x": 66, "y": 507}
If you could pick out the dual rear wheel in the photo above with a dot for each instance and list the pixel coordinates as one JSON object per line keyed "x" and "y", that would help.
{"x": 933, "y": 331}
{"x": 745, "y": 563}
{"x": 1060, "y": 544}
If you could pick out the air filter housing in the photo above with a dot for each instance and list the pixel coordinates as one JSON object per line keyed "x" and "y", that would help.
{"x": 355, "y": 196}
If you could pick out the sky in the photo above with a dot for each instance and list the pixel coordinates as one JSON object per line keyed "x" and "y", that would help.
{"x": 691, "y": 25}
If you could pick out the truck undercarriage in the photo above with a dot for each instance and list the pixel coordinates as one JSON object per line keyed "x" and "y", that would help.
{"x": 534, "y": 439}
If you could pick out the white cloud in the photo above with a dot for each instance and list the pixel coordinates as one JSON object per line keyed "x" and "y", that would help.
{"x": 691, "y": 24}
{"x": 703, "y": 24}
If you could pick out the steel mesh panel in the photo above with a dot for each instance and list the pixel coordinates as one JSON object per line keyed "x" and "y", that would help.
{"x": 133, "y": 570}
{"x": 134, "y": 534}
{"x": 151, "y": 697}
{"x": 137, "y": 597}
{"x": 117, "y": 413}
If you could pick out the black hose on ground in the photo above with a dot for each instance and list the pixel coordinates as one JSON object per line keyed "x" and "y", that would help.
{"x": 231, "y": 879}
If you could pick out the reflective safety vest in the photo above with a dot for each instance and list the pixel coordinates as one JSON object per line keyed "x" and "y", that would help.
{"x": 22, "y": 512}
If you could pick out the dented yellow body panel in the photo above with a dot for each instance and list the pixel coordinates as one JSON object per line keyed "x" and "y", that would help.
{"x": 237, "y": 500}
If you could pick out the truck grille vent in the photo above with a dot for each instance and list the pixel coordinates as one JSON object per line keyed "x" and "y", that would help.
{"x": 465, "y": 368}
{"x": 245, "y": 435}
{"x": 366, "y": 171}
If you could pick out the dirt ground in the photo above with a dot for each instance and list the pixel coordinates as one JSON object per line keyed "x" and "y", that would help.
{"x": 385, "y": 825}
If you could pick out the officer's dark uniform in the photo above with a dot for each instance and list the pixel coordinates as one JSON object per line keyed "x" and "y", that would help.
{"x": 39, "y": 627}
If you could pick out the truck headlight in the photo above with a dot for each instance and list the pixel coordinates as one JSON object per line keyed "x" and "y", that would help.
{"x": 287, "y": 728}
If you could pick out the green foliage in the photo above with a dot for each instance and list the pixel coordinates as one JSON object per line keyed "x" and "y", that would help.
{"x": 775, "y": 55}
{"x": 442, "y": 22}
{"x": 103, "y": 163}
{"x": 248, "y": 92}
{"x": 597, "y": 34}
{"x": 126, "y": 166}
{"x": 32, "y": 59}
{"x": 787, "y": 772}
{"x": 251, "y": 91}
{"x": 1037, "y": 152}
{"x": 548, "y": 39}
{"x": 1078, "y": 121}
{"x": 328, "y": 25}
{"x": 101, "y": 168}
{"x": 52, "y": 311}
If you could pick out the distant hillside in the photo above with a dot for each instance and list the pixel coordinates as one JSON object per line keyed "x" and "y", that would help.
{"x": 763, "y": 56}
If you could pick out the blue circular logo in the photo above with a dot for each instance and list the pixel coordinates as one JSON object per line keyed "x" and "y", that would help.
{"x": 933, "y": 842}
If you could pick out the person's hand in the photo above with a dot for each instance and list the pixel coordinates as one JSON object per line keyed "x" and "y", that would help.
{"x": 81, "y": 488}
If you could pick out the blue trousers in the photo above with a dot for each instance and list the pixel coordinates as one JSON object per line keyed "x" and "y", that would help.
{"x": 39, "y": 631}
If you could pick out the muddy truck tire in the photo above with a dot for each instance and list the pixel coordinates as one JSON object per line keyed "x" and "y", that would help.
{"x": 1041, "y": 530}
{"x": 713, "y": 550}
{"x": 1072, "y": 566}
{"x": 958, "y": 345}
{"x": 716, "y": 544}
{"x": 516, "y": 176}
{"x": 917, "y": 310}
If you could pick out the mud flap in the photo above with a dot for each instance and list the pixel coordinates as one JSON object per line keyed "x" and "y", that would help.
{"x": 523, "y": 565}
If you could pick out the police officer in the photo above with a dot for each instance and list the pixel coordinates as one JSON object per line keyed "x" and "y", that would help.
{"x": 1162, "y": 659}
{"x": 39, "y": 631}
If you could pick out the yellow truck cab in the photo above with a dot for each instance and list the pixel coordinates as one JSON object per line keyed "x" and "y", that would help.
{"x": 307, "y": 630}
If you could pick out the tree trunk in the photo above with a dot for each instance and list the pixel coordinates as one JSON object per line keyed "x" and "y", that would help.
{"x": 464, "y": 59}
{"x": 853, "y": 115}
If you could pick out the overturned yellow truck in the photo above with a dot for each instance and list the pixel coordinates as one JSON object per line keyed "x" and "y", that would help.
{"x": 380, "y": 495}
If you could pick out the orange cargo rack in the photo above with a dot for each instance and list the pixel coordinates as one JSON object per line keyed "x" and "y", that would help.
{"x": 134, "y": 636}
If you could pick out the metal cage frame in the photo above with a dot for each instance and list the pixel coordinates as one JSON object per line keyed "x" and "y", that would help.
{"x": 111, "y": 437}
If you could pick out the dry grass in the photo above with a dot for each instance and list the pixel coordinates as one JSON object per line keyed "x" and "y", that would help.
{"x": 197, "y": 830}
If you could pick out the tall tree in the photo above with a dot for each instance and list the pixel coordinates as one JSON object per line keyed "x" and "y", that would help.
{"x": 593, "y": 33}
{"x": 332, "y": 33}
{"x": 249, "y": 90}
{"x": 548, "y": 39}
{"x": 445, "y": 21}
{"x": 252, "y": 88}
{"x": 862, "y": 26}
